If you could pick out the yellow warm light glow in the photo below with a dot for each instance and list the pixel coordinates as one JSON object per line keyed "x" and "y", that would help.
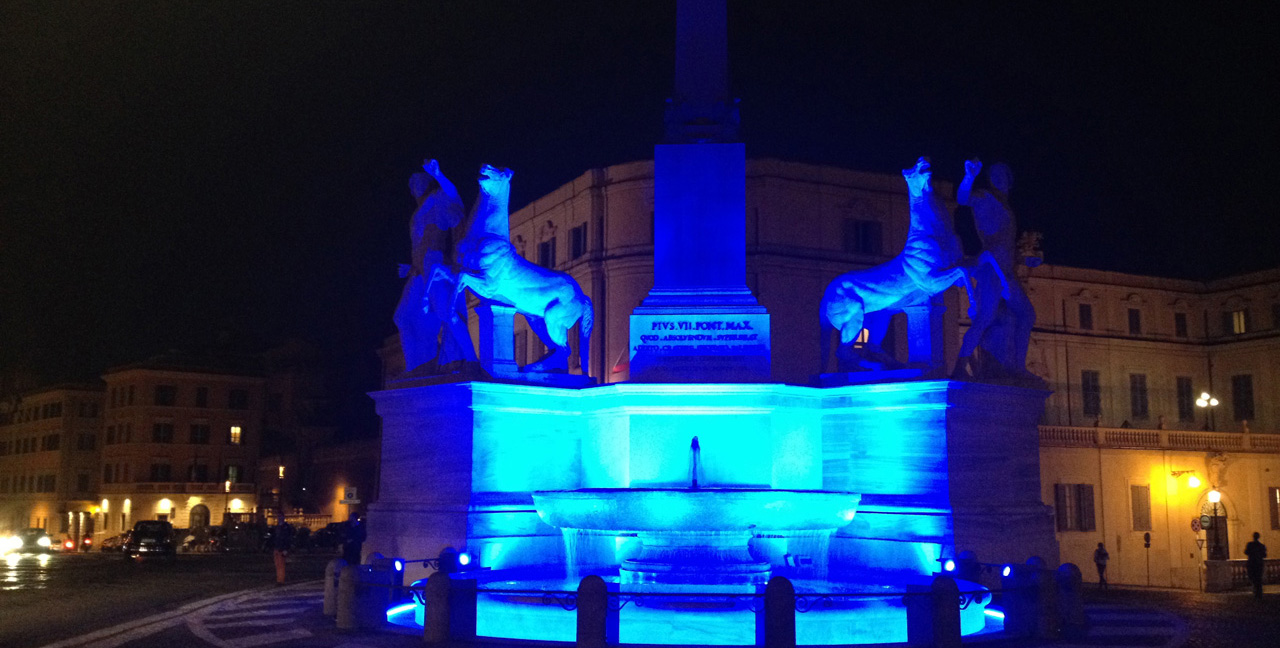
{"x": 236, "y": 504}
{"x": 164, "y": 504}
{"x": 193, "y": 501}
{"x": 281, "y": 472}
{"x": 128, "y": 505}
{"x": 1215, "y": 496}
{"x": 106, "y": 506}
{"x": 1193, "y": 481}
{"x": 227, "y": 485}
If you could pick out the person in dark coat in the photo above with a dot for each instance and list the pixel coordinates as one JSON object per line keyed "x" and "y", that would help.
{"x": 1256, "y": 553}
{"x": 353, "y": 540}
{"x": 281, "y": 542}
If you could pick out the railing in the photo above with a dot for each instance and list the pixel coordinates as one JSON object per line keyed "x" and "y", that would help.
{"x": 212, "y": 488}
{"x": 1224, "y": 575}
{"x": 1094, "y": 437}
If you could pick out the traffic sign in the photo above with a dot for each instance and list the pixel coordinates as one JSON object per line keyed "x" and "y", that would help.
{"x": 1206, "y": 522}
{"x": 349, "y": 496}
{"x": 1195, "y": 525}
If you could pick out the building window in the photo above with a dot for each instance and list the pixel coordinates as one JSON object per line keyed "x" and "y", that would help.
{"x": 86, "y": 441}
{"x": 233, "y": 474}
{"x": 1242, "y": 397}
{"x": 1180, "y": 324}
{"x": 234, "y": 435}
{"x": 161, "y": 472}
{"x": 200, "y": 433}
{"x": 162, "y": 433}
{"x": 1073, "y": 507}
{"x": 1186, "y": 399}
{"x": 863, "y": 236}
{"x": 1086, "y": 316}
{"x": 166, "y": 395}
{"x": 1135, "y": 321}
{"x": 547, "y": 253}
{"x": 108, "y": 474}
{"x": 1138, "y": 396}
{"x": 199, "y": 473}
{"x": 1091, "y": 392}
{"x": 1140, "y": 506}
{"x": 202, "y": 396}
{"x": 1273, "y": 503}
{"x": 129, "y": 400}
{"x": 82, "y": 483}
{"x": 50, "y": 442}
{"x": 238, "y": 399}
{"x": 1236, "y": 321}
{"x": 578, "y": 241}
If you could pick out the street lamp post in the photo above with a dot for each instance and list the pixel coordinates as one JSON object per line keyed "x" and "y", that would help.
{"x": 1208, "y": 402}
{"x": 1216, "y": 551}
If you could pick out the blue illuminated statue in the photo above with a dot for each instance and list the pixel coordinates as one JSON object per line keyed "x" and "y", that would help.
{"x": 430, "y": 328}
{"x": 551, "y": 301}
{"x": 930, "y": 263}
{"x": 1001, "y": 314}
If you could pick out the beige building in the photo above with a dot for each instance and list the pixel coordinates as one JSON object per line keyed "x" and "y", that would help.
{"x": 1126, "y": 356}
{"x": 49, "y": 446}
{"x": 180, "y": 443}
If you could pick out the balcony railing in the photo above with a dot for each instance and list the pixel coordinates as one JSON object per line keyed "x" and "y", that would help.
{"x": 1097, "y": 437}
{"x": 209, "y": 488}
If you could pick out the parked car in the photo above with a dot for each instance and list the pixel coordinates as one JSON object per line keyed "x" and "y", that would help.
{"x": 330, "y": 537}
{"x": 114, "y": 543}
{"x": 151, "y": 538}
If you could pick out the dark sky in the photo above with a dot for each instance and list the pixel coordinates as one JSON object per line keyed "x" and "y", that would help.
{"x": 177, "y": 172}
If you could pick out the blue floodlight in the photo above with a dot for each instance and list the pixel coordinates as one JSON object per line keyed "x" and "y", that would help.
{"x": 399, "y": 565}
{"x": 949, "y": 566}
{"x": 464, "y": 559}
{"x": 994, "y": 613}
{"x": 1008, "y": 569}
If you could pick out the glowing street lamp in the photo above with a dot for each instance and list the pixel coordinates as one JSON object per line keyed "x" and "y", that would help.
{"x": 1216, "y": 551}
{"x": 1208, "y": 402}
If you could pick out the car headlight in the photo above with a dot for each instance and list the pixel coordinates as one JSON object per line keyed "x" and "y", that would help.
{"x": 44, "y": 541}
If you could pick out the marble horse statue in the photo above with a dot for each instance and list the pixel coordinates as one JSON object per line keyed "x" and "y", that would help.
{"x": 431, "y": 330}
{"x": 929, "y": 264}
{"x": 1000, "y": 313}
{"x": 551, "y": 301}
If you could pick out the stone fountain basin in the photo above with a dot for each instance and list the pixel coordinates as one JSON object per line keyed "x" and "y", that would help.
{"x": 649, "y": 510}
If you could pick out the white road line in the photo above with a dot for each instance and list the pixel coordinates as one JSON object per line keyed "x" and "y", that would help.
{"x": 1137, "y": 631}
{"x": 255, "y": 613}
{"x": 265, "y": 638}
{"x": 144, "y": 622}
{"x": 245, "y": 623}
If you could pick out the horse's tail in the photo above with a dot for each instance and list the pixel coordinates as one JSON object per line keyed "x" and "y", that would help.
{"x": 585, "y": 324}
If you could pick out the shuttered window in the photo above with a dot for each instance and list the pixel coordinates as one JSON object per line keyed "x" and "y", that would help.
{"x": 1140, "y": 506}
{"x": 1073, "y": 507}
{"x": 1273, "y": 502}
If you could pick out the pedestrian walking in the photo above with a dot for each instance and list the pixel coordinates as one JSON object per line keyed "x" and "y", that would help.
{"x": 281, "y": 542}
{"x": 1100, "y": 558}
{"x": 1255, "y": 552}
{"x": 353, "y": 540}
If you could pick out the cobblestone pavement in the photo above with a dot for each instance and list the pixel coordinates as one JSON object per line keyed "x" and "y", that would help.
{"x": 1229, "y": 620}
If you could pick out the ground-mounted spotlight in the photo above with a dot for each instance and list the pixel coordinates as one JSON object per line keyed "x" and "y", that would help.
{"x": 949, "y": 565}
{"x": 464, "y": 559}
{"x": 398, "y": 564}
{"x": 1008, "y": 569}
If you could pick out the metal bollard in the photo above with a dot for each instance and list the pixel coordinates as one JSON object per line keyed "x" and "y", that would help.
{"x": 462, "y": 608}
{"x": 347, "y": 585}
{"x": 779, "y": 614}
{"x": 1071, "y": 602}
{"x": 1046, "y": 598}
{"x": 331, "y": 573}
{"x": 597, "y": 621}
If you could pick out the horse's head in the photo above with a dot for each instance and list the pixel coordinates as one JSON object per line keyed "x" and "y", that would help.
{"x": 919, "y": 178}
{"x": 495, "y": 181}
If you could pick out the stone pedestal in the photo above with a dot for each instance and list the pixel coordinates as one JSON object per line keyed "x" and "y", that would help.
{"x": 497, "y": 339}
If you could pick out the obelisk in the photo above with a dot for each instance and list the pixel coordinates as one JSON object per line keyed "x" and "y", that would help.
{"x": 700, "y": 322}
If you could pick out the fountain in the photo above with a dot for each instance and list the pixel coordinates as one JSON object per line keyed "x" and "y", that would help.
{"x": 693, "y": 484}
{"x": 695, "y": 535}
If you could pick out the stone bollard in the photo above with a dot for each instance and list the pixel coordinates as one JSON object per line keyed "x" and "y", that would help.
{"x": 347, "y": 586}
{"x": 933, "y": 614}
{"x": 435, "y": 613}
{"x": 597, "y": 620}
{"x": 462, "y": 609}
{"x": 331, "y": 573}
{"x": 1046, "y": 598}
{"x": 779, "y": 618}
{"x": 1071, "y": 602}
{"x": 1017, "y": 596}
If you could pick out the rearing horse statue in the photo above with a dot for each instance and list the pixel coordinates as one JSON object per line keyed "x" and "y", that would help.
{"x": 551, "y": 301}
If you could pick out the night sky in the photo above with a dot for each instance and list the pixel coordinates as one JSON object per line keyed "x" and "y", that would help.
{"x": 189, "y": 174}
